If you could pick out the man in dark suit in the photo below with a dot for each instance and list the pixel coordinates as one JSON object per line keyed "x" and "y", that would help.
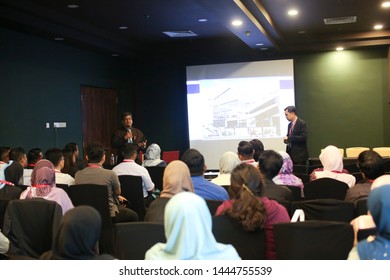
{"x": 296, "y": 138}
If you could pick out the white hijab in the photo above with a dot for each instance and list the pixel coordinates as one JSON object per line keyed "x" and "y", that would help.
{"x": 188, "y": 224}
{"x": 152, "y": 156}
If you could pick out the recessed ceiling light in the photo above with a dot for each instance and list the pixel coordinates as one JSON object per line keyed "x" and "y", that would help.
{"x": 202, "y": 19}
{"x": 264, "y": 49}
{"x": 123, "y": 27}
{"x": 386, "y": 4}
{"x": 58, "y": 39}
{"x": 259, "y": 44}
{"x": 378, "y": 26}
{"x": 292, "y": 12}
{"x": 237, "y": 22}
{"x": 73, "y": 6}
{"x": 339, "y": 49}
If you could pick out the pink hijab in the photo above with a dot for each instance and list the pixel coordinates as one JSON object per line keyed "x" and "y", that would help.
{"x": 42, "y": 178}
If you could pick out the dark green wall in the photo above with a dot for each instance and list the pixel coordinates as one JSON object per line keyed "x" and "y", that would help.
{"x": 341, "y": 95}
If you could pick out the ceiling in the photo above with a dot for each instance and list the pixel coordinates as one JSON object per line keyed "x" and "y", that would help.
{"x": 266, "y": 28}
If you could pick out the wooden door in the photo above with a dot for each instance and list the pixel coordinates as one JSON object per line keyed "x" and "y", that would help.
{"x": 99, "y": 116}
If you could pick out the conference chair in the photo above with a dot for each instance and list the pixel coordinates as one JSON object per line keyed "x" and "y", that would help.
{"x": 65, "y": 187}
{"x": 31, "y": 226}
{"x": 213, "y": 205}
{"x": 96, "y": 196}
{"x": 132, "y": 190}
{"x": 313, "y": 240}
{"x": 134, "y": 239}
{"x": 361, "y": 207}
{"x": 383, "y": 151}
{"x": 325, "y": 188}
{"x": 355, "y": 151}
{"x": 169, "y": 156}
{"x": 3, "y": 208}
{"x": 325, "y": 209}
{"x": 156, "y": 173}
{"x": 250, "y": 245}
{"x": 296, "y": 192}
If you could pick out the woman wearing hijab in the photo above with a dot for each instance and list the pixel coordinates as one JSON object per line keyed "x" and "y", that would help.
{"x": 188, "y": 232}
{"x": 77, "y": 236}
{"x": 43, "y": 185}
{"x": 228, "y": 161}
{"x": 286, "y": 176}
{"x": 176, "y": 179}
{"x": 152, "y": 157}
{"x": 332, "y": 162}
{"x": 376, "y": 247}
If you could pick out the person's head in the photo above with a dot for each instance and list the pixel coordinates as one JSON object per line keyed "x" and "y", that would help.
{"x": 69, "y": 160}
{"x": 290, "y": 112}
{"x": 270, "y": 163}
{"x": 245, "y": 186}
{"x": 176, "y": 179}
{"x": 127, "y": 119}
{"x": 245, "y": 150}
{"x": 258, "y": 148}
{"x": 331, "y": 159}
{"x": 14, "y": 173}
{"x": 129, "y": 151}
{"x": 153, "y": 152}
{"x": 287, "y": 167}
{"x": 371, "y": 164}
{"x": 43, "y": 177}
{"x": 95, "y": 153}
{"x": 78, "y": 234}
{"x": 73, "y": 147}
{"x": 381, "y": 181}
{"x": 18, "y": 154}
{"x": 195, "y": 162}
{"x": 54, "y": 155}
{"x": 33, "y": 156}
{"x": 228, "y": 162}
{"x": 4, "y": 154}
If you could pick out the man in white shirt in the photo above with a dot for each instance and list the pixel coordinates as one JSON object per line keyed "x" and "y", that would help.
{"x": 55, "y": 156}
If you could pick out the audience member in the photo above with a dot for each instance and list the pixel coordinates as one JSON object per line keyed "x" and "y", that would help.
{"x": 54, "y": 155}
{"x": 43, "y": 185}
{"x": 227, "y": 162}
{"x": 376, "y": 247}
{"x": 129, "y": 167}
{"x": 77, "y": 236}
{"x": 79, "y": 163}
{"x": 258, "y": 148}
{"x": 4, "y": 163}
{"x": 372, "y": 166}
{"x": 33, "y": 156}
{"x": 18, "y": 154}
{"x": 245, "y": 152}
{"x": 286, "y": 176}
{"x": 4, "y": 243}
{"x": 153, "y": 156}
{"x": 332, "y": 163}
{"x": 94, "y": 173}
{"x": 250, "y": 208}
{"x": 204, "y": 188}
{"x": 69, "y": 163}
{"x": 176, "y": 179}
{"x": 13, "y": 178}
{"x": 188, "y": 230}
{"x": 270, "y": 163}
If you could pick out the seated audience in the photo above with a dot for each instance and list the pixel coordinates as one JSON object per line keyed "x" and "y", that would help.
{"x": 54, "y": 155}
{"x": 69, "y": 163}
{"x": 33, "y": 156}
{"x": 13, "y": 177}
{"x": 270, "y": 163}
{"x": 245, "y": 152}
{"x": 18, "y": 154}
{"x": 176, "y": 179}
{"x": 258, "y": 148}
{"x": 77, "y": 236}
{"x": 227, "y": 162}
{"x": 376, "y": 247}
{"x": 250, "y": 208}
{"x": 372, "y": 166}
{"x": 153, "y": 156}
{"x": 4, "y": 163}
{"x": 188, "y": 230}
{"x": 204, "y": 188}
{"x": 43, "y": 185}
{"x": 94, "y": 173}
{"x": 286, "y": 176}
{"x": 80, "y": 163}
{"x": 332, "y": 163}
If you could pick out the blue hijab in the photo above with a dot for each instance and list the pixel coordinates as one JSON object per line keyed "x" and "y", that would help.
{"x": 378, "y": 248}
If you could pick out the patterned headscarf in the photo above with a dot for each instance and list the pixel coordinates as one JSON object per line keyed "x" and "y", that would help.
{"x": 43, "y": 178}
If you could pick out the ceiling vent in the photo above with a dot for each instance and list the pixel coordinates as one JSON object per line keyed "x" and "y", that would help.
{"x": 180, "y": 34}
{"x": 340, "y": 20}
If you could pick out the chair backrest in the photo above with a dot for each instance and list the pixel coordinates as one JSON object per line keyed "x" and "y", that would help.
{"x": 169, "y": 156}
{"x": 296, "y": 192}
{"x": 135, "y": 238}
{"x": 132, "y": 190}
{"x": 156, "y": 173}
{"x": 355, "y": 151}
{"x": 31, "y": 225}
{"x": 313, "y": 240}
{"x": 249, "y": 245}
{"x": 325, "y": 209}
{"x": 383, "y": 151}
{"x": 65, "y": 187}
{"x": 325, "y": 188}
{"x": 361, "y": 207}
{"x": 213, "y": 205}
{"x": 3, "y": 208}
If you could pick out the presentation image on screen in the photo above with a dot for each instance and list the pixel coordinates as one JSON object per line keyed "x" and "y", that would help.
{"x": 228, "y": 103}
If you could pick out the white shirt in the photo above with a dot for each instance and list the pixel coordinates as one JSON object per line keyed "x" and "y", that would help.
{"x": 63, "y": 178}
{"x": 129, "y": 167}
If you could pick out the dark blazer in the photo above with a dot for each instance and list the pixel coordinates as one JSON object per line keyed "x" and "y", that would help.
{"x": 297, "y": 142}
{"x": 276, "y": 192}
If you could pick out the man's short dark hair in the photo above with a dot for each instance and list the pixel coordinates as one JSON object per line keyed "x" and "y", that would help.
{"x": 71, "y": 146}
{"x": 245, "y": 149}
{"x": 34, "y": 155}
{"x": 291, "y": 109}
{"x": 17, "y": 153}
{"x": 270, "y": 163}
{"x": 54, "y": 155}
{"x": 258, "y": 147}
{"x": 128, "y": 150}
{"x": 125, "y": 114}
{"x": 195, "y": 161}
{"x": 95, "y": 152}
{"x": 371, "y": 164}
